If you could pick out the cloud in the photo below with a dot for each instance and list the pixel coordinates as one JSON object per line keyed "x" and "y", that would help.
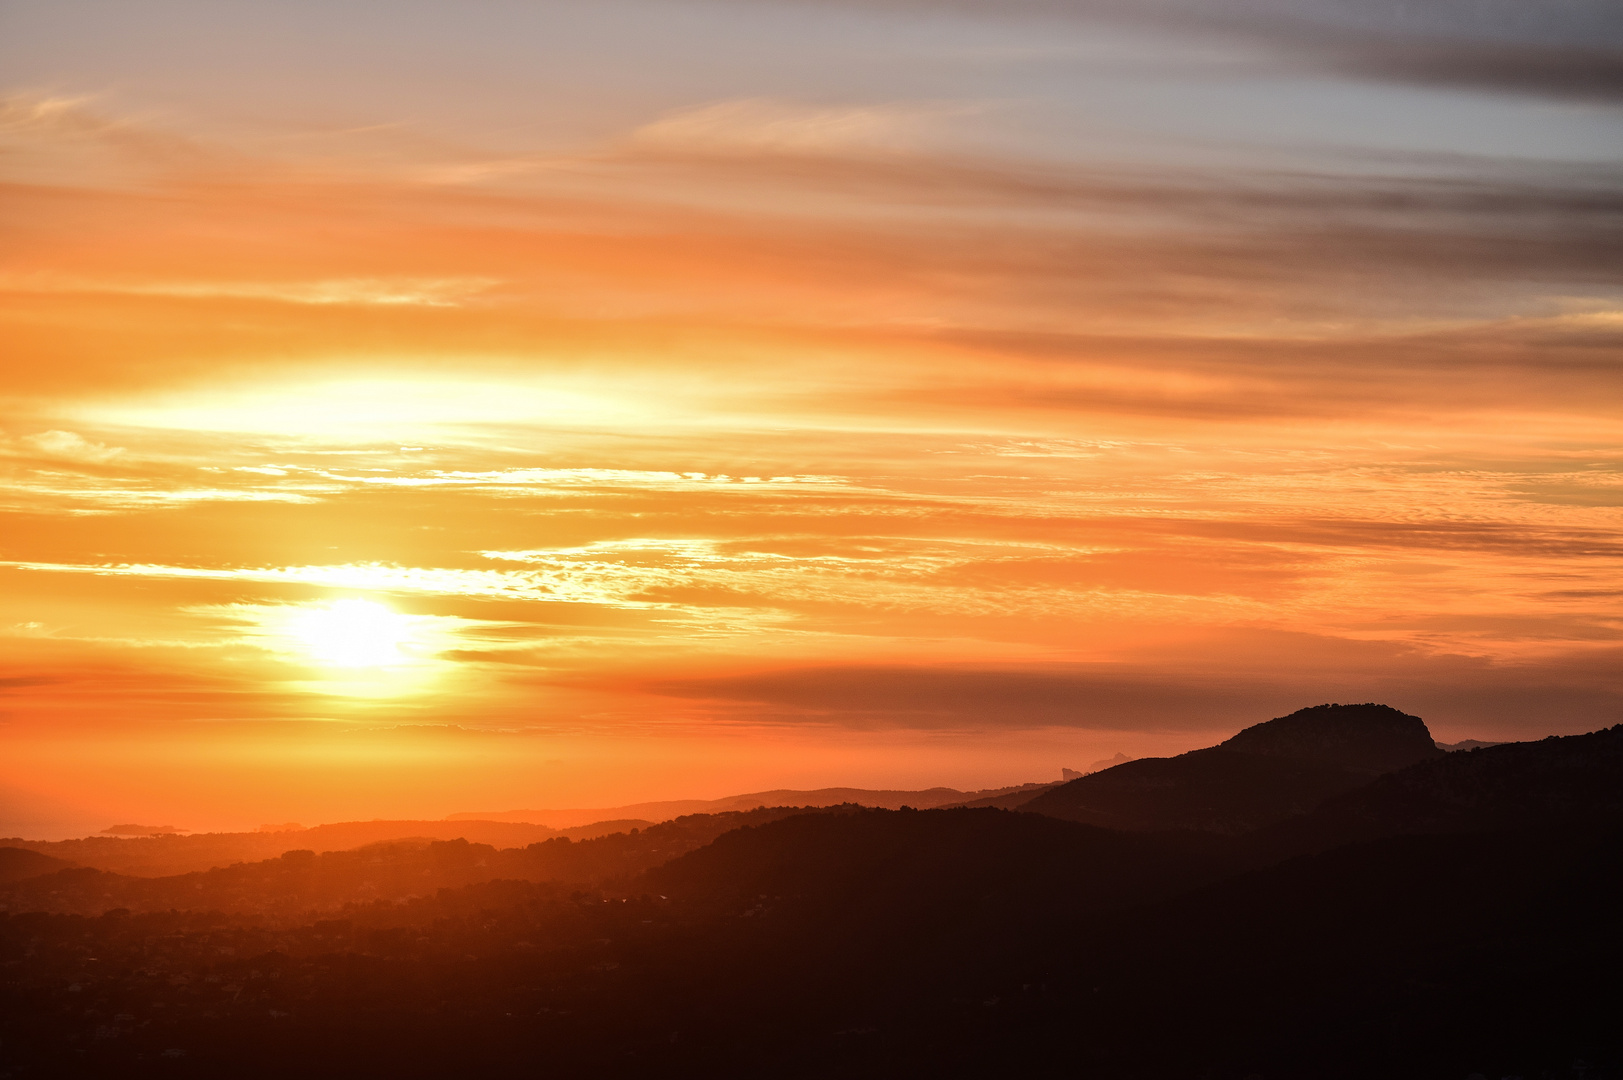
{"x": 95, "y": 486}
{"x": 1569, "y": 49}
{"x": 38, "y": 113}
{"x": 600, "y": 478}
{"x": 68, "y": 446}
{"x": 1454, "y": 693}
{"x": 21, "y": 681}
{"x": 365, "y": 292}
{"x": 753, "y": 125}
{"x": 1102, "y": 697}
{"x": 1584, "y": 74}
{"x": 1557, "y": 48}
{"x": 55, "y": 138}
{"x": 833, "y": 237}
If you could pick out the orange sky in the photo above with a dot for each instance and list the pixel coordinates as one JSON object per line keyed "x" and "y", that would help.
{"x": 535, "y": 407}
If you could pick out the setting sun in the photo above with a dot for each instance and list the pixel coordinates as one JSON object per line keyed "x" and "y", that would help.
{"x": 354, "y": 634}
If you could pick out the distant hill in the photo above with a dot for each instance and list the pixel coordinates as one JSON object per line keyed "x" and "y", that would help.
{"x": 1103, "y": 763}
{"x": 1466, "y": 744}
{"x": 926, "y": 799}
{"x": 1266, "y": 773}
{"x": 1010, "y": 800}
{"x": 300, "y": 881}
{"x": 158, "y": 856}
{"x": 145, "y": 852}
{"x": 18, "y": 864}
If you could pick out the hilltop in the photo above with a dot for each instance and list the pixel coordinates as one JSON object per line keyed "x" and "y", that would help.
{"x": 1264, "y": 774}
{"x": 885, "y": 799}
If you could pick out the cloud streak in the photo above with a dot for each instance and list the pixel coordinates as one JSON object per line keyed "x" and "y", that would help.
{"x": 1547, "y": 48}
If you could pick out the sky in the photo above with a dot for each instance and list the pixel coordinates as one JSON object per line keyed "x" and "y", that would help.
{"x": 422, "y": 407}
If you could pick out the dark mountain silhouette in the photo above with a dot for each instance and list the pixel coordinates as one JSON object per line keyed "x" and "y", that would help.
{"x": 1264, "y": 774}
{"x": 1405, "y": 957}
{"x": 1559, "y": 782}
{"x": 1409, "y": 957}
{"x": 1372, "y": 738}
{"x": 901, "y": 866}
{"x": 17, "y": 864}
{"x": 1451, "y": 917}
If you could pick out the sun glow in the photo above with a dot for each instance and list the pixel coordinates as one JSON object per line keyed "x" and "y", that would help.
{"x": 355, "y": 634}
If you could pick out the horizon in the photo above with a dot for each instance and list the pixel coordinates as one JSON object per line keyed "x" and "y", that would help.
{"x": 1266, "y": 896}
{"x": 537, "y": 405}
{"x": 571, "y": 817}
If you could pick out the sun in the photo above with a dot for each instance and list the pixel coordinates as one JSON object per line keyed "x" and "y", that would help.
{"x": 355, "y": 634}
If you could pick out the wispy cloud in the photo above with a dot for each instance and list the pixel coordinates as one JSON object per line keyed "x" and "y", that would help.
{"x": 62, "y": 445}
{"x": 1542, "y": 47}
{"x": 757, "y": 125}
{"x": 369, "y": 292}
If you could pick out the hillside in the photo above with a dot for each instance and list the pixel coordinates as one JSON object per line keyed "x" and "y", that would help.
{"x": 147, "y": 853}
{"x": 302, "y": 881}
{"x": 1574, "y": 781}
{"x": 1264, "y": 774}
{"x": 18, "y": 864}
{"x": 1452, "y": 917}
{"x": 966, "y": 875}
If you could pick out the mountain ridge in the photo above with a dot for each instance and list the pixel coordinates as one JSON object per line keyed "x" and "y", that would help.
{"x": 880, "y": 798}
{"x": 1263, "y": 774}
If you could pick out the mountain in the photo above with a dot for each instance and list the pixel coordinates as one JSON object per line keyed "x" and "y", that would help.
{"x": 1009, "y": 800}
{"x": 888, "y": 799}
{"x": 302, "y": 881}
{"x": 1366, "y": 738}
{"x": 18, "y": 864}
{"x": 1408, "y": 957}
{"x": 1265, "y": 773}
{"x": 1454, "y": 916}
{"x": 165, "y": 855}
{"x": 870, "y": 943}
{"x": 153, "y": 851}
{"x": 1568, "y": 782}
{"x": 148, "y": 852}
{"x": 1466, "y": 744}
